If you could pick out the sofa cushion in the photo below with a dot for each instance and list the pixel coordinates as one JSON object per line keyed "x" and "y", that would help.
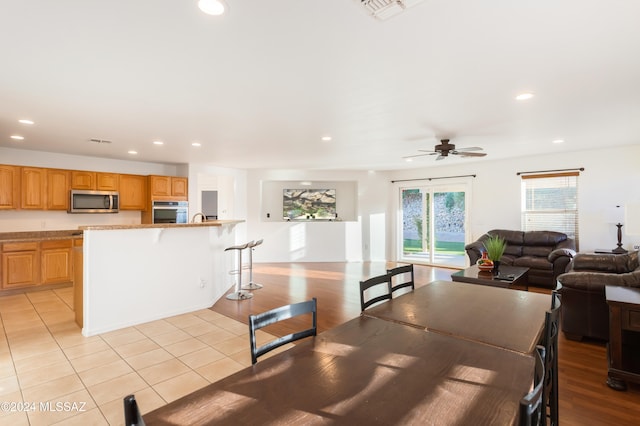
{"x": 538, "y": 251}
{"x": 606, "y": 262}
{"x": 543, "y": 238}
{"x": 533, "y": 262}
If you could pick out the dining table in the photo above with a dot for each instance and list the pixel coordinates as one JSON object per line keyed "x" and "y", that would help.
{"x": 509, "y": 319}
{"x": 365, "y": 371}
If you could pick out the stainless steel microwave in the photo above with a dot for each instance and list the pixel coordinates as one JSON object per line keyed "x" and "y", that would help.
{"x": 94, "y": 201}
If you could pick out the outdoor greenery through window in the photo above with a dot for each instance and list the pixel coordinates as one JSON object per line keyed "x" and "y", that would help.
{"x": 433, "y": 224}
{"x": 550, "y": 203}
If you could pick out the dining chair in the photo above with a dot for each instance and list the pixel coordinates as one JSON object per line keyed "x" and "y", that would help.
{"x": 532, "y": 405}
{"x": 550, "y": 343}
{"x": 401, "y": 277}
{"x": 377, "y": 281}
{"x": 281, "y": 313}
{"x": 132, "y": 416}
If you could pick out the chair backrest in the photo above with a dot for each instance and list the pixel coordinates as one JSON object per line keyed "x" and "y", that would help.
{"x": 550, "y": 343}
{"x": 401, "y": 277}
{"x": 132, "y": 416}
{"x": 379, "y": 281}
{"x": 532, "y": 406}
{"x": 272, "y": 316}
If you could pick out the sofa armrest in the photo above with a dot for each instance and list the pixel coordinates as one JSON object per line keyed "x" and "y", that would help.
{"x": 596, "y": 281}
{"x": 560, "y": 253}
{"x": 474, "y": 251}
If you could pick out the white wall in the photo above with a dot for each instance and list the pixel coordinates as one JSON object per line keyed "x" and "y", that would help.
{"x": 38, "y": 220}
{"x": 134, "y": 276}
{"x": 231, "y": 185}
{"x": 611, "y": 177}
{"x": 364, "y": 239}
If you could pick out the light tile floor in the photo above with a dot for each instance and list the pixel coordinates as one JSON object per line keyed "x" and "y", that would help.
{"x": 51, "y": 374}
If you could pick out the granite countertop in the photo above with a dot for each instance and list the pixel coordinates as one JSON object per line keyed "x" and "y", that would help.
{"x": 162, "y": 225}
{"x": 10, "y": 237}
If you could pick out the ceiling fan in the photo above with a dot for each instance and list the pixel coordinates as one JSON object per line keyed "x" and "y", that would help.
{"x": 445, "y": 148}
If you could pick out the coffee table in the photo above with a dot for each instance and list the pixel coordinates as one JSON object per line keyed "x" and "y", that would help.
{"x": 474, "y": 275}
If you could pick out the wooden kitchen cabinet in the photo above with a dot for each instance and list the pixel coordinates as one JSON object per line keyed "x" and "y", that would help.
{"x": 33, "y": 184}
{"x": 133, "y": 192}
{"x": 96, "y": 181}
{"x": 58, "y": 185}
{"x": 56, "y": 261}
{"x": 168, "y": 187}
{"x": 107, "y": 181}
{"x": 83, "y": 180}
{"x": 20, "y": 265}
{"x": 179, "y": 187}
{"x": 9, "y": 187}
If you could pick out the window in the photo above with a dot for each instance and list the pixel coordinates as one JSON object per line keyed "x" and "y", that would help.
{"x": 550, "y": 203}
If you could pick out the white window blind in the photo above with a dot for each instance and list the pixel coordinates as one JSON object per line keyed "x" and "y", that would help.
{"x": 550, "y": 203}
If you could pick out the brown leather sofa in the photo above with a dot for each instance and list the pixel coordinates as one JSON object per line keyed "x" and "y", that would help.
{"x": 585, "y": 312}
{"x": 547, "y": 254}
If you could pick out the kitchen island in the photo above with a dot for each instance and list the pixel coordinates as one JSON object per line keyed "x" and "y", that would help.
{"x": 134, "y": 274}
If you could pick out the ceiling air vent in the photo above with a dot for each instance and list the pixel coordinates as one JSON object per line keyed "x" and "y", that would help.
{"x": 384, "y": 9}
{"x": 94, "y": 140}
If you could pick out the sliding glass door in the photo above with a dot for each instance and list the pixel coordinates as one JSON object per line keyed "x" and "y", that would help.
{"x": 433, "y": 224}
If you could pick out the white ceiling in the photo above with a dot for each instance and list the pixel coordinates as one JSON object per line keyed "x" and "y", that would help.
{"x": 260, "y": 86}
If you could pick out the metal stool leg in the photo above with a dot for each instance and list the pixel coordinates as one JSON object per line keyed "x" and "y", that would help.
{"x": 252, "y": 286}
{"x": 238, "y": 294}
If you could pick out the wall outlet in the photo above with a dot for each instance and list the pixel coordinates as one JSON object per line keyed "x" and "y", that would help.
{"x": 203, "y": 282}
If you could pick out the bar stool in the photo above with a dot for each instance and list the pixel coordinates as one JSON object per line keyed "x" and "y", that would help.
{"x": 252, "y": 286}
{"x": 238, "y": 294}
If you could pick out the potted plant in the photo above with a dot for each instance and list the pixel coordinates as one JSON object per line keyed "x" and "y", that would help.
{"x": 495, "y": 246}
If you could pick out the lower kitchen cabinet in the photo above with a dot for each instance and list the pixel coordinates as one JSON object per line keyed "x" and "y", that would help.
{"x": 20, "y": 265}
{"x": 56, "y": 261}
{"x": 35, "y": 263}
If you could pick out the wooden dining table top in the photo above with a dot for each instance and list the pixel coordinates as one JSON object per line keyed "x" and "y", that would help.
{"x": 510, "y": 319}
{"x": 365, "y": 371}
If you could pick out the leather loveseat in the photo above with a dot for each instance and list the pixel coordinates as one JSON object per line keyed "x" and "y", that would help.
{"x": 585, "y": 312}
{"x": 547, "y": 254}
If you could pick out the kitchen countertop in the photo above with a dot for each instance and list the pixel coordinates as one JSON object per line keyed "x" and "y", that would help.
{"x": 162, "y": 225}
{"x": 10, "y": 237}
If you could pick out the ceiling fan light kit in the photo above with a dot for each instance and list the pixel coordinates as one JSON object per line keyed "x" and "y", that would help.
{"x": 445, "y": 148}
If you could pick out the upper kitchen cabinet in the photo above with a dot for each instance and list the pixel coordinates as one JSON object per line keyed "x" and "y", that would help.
{"x": 94, "y": 180}
{"x": 58, "y": 184}
{"x": 168, "y": 187}
{"x": 133, "y": 192}
{"x": 33, "y": 181}
{"x": 9, "y": 187}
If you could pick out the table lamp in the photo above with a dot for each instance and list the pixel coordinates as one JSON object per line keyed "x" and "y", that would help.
{"x": 617, "y": 216}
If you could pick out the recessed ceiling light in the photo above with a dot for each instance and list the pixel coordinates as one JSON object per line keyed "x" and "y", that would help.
{"x": 158, "y": 143}
{"x": 408, "y": 160}
{"x": 17, "y": 137}
{"x": 305, "y": 183}
{"x": 558, "y": 141}
{"x": 326, "y": 138}
{"x": 212, "y": 7}
{"x": 524, "y": 96}
{"x": 132, "y": 152}
{"x": 196, "y": 144}
{"x": 25, "y": 121}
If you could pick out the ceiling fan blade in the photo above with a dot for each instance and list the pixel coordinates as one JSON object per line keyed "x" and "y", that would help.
{"x": 417, "y": 155}
{"x": 470, "y": 154}
{"x": 440, "y": 157}
{"x": 470, "y": 148}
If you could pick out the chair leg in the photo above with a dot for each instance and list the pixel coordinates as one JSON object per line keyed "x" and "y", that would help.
{"x": 239, "y": 294}
{"x": 251, "y": 285}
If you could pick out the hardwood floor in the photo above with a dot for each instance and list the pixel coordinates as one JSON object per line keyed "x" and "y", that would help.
{"x": 585, "y": 399}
